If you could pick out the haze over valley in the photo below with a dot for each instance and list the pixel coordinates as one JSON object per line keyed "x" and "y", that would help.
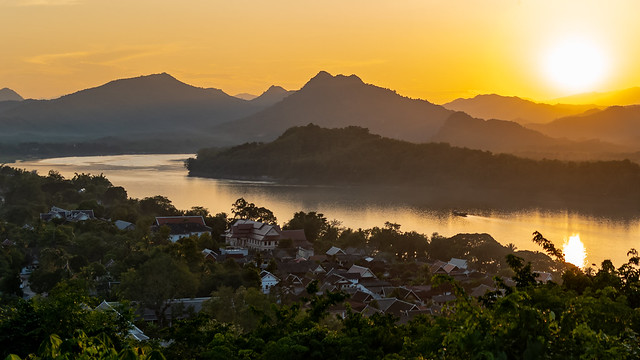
{"x": 159, "y": 113}
{"x": 282, "y": 179}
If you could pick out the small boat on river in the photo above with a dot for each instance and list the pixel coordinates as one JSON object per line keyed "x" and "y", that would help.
{"x": 459, "y": 213}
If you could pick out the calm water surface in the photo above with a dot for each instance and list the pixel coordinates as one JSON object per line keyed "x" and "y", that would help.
{"x": 149, "y": 175}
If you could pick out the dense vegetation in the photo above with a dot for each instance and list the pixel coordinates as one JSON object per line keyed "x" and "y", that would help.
{"x": 592, "y": 314}
{"x": 352, "y": 155}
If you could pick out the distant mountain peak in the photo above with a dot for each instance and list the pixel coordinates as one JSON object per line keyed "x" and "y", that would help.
{"x": 513, "y": 108}
{"x": 7, "y": 94}
{"x": 323, "y": 78}
{"x": 322, "y": 75}
{"x": 275, "y": 89}
{"x": 273, "y": 95}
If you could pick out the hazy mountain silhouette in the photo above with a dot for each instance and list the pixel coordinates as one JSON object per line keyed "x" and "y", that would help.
{"x": 7, "y": 94}
{"x": 245, "y": 96}
{"x": 617, "y": 124}
{"x": 339, "y": 101}
{"x": 503, "y": 136}
{"x": 128, "y": 108}
{"x": 273, "y": 95}
{"x": 514, "y": 108}
{"x": 159, "y": 113}
{"x": 624, "y": 97}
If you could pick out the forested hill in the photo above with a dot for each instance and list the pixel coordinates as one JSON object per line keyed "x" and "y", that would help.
{"x": 314, "y": 155}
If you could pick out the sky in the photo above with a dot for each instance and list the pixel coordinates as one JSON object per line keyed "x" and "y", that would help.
{"x": 436, "y": 50}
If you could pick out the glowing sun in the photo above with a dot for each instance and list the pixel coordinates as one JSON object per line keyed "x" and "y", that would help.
{"x": 576, "y": 65}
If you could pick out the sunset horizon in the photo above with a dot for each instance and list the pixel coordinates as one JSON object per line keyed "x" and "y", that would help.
{"x": 428, "y": 50}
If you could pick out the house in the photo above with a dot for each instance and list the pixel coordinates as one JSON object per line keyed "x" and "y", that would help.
{"x": 124, "y": 225}
{"x": 460, "y": 263}
{"x": 67, "y": 215}
{"x": 134, "y": 331}
{"x": 374, "y": 286}
{"x": 210, "y": 255}
{"x": 335, "y": 251}
{"x": 268, "y": 281}
{"x": 361, "y": 297}
{"x": 455, "y": 267}
{"x": 389, "y": 306}
{"x": 481, "y": 290}
{"x": 402, "y": 293}
{"x": 443, "y": 299}
{"x": 234, "y": 252}
{"x": 253, "y": 235}
{"x": 304, "y": 252}
{"x": 363, "y": 271}
{"x": 177, "y": 309}
{"x": 544, "y": 277}
{"x": 182, "y": 226}
{"x": 259, "y": 236}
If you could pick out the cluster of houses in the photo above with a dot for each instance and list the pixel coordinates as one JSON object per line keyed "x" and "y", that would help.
{"x": 370, "y": 291}
{"x": 365, "y": 278}
{"x": 351, "y": 270}
{"x": 67, "y": 215}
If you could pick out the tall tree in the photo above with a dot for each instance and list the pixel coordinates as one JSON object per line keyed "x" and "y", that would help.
{"x": 158, "y": 280}
{"x": 242, "y": 209}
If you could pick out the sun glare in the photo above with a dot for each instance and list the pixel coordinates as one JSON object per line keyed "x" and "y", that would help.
{"x": 574, "y": 251}
{"x": 576, "y": 65}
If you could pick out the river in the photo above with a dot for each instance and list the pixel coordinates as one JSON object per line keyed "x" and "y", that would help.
{"x": 150, "y": 175}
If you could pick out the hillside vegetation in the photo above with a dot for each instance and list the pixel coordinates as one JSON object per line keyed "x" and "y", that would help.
{"x": 314, "y": 155}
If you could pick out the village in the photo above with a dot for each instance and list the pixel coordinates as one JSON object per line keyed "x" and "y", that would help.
{"x": 288, "y": 264}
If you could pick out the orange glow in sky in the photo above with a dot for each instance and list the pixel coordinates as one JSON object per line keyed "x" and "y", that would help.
{"x": 435, "y": 50}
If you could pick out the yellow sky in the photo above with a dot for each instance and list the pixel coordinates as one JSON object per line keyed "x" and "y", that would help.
{"x": 432, "y": 49}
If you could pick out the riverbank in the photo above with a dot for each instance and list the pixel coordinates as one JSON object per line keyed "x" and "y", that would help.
{"x": 606, "y": 233}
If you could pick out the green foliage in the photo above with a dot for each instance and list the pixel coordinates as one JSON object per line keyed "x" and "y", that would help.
{"x": 590, "y": 314}
{"x": 310, "y": 154}
{"x": 242, "y": 209}
{"x": 158, "y": 206}
{"x": 244, "y": 307}
{"x": 157, "y": 280}
{"x": 547, "y": 246}
{"x": 313, "y": 223}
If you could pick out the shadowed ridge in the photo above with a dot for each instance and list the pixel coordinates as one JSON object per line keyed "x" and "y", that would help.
{"x": 324, "y": 79}
{"x": 7, "y": 94}
{"x": 504, "y": 136}
{"x": 139, "y": 108}
{"x": 513, "y": 108}
{"x": 341, "y": 101}
{"x": 272, "y": 96}
{"x": 148, "y": 89}
{"x": 617, "y": 124}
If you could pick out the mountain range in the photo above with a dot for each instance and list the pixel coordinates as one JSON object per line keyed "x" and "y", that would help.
{"x": 501, "y": 136}
{"x": 616, "y": 124}
{"x": 160, "y": 113}
{"x": 515, "y": 109}
{"x": 338, "y": 101}
{"x": 148, "y": 106}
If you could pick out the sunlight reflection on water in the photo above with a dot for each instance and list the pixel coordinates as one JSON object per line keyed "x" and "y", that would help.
{"x": 574, "y": 251}
{"x": 150, "y": 175}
